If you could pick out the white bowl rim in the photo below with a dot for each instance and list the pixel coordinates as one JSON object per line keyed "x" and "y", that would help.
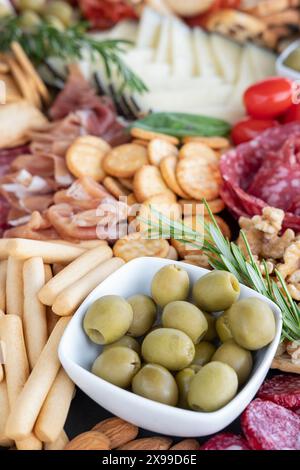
{"x": 193, "y": 415}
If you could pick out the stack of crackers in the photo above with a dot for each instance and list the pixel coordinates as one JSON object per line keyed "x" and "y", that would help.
{"x": 21, "y": 80}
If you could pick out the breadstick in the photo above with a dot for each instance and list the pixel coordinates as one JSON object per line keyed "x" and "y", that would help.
{"x": 87, "y": 244}
{"x": 16, "y": 367}
{"x": 4, "y": 412}
{"x": 4, "y": 248}
{"x": 52, "y": 319}
{"x": 74, "y": 271}
{"x": 70, "y": 298}
{"x": 53, "y": 415}
{"x": 3, "y": 272}
{"x": 30, "y": 401}
{"x": 14, "y": 286}
{"x": 59, "y": 444}
{"x": 1, "y": 371}
{"x": 50, "y": 252}
{"x": 56, "y": 268}
{"x": 34, "y": 317}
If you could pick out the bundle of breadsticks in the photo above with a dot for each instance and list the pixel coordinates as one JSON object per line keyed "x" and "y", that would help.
{"x": 41, "y": 286}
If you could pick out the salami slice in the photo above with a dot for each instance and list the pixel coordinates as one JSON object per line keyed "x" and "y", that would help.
{"x": 283, "y": 390}
{"x": 265, "y": 171}
{"x": 226, "y": 441}
{"x": 268, "y": 426}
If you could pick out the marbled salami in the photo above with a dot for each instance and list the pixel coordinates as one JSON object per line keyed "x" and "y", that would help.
{"x": 226, "y": 441}
{"x": 283, "y": 390}
{"x": 265, "y": 171}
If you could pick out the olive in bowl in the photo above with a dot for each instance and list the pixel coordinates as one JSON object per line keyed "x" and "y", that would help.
{"x": 236, "y": 357}
{"x": 170, "y": 283}
{"x": 108, "y": 319}
{"x": 156, "y": 383}
{"x": 216, "y": 291}
{"x": 144, "y": 314}
{"x": 186, "y": 317}
{"x": 252, "y": 323}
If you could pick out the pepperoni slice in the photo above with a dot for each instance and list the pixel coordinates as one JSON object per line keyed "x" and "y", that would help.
{"x": 283, "y": 390}
{"x": 268, "y": 426}
{"x": 226, "y": 441}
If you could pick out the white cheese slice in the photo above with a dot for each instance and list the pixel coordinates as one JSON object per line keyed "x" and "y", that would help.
{"x": 182, "y": 55}
{"x": 204, "y": 64}
{"x": 228, "y": 56}
{"x": 263, "y": 62}
{"x": 148, "y": 30}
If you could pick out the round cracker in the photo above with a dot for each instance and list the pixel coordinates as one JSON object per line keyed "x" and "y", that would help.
{"x": 161, "y": 204}
{"x": 200, "y": 259}
{"x": 114, "y": 187}
{"x": 83, "y": 159}
{"x": 94, "y": 141}
{"x": 197, "y": 149}
{"x": 127, "y": 183}
{"x": 148, "y": 182}
{"x": 196, "y": 223}
{"x": 158, "y": 149}
{"x": 139, "y": 133}
{"x": 143, "y": 143}
{"x": 123, "y": 161}
{"x": 192, "y": 207}
{"x": 199, "y": 177}
{"x": 168, "y": 171}
{"x": 216, "y": 143}
{"x": 135, "y": 246}
{"x": 30, "y": 70}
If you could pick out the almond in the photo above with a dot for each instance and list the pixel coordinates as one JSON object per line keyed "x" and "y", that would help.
{"x": 92, "y": 440}
{"x": 148, "y": 443}
{"x": 186, "y": 444}
{"x": 117, "y": 430}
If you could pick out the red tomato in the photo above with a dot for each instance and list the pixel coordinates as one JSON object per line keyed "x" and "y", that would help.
{"x": 269, "y": 98}
{"x": 104, "y": 14}
{"x": 249, "y": 128}
{"x": 292, "y": 114}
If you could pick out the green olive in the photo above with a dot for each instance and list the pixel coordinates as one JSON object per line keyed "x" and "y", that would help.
{"x": 203, "y": 353}
{"x": 183, "y": 379}
{"x": 236, "y": 357}
{"x": 29, "y": 19}
{"x": 55, "y": 22}
{"x": 144, "y": 314}
{"x": 61, "y": 10}
{"x": 211, "y": 333}
{"x": 156, "y": 383}
{"x": 117, "y": 366}
{"x": 222, "y": 327}
{"x": 169, "y": 348}
{"x": 127, "y": 342}
{"x": 33, "y": 5}
{"x": 170, "y": 283}
{"x": 108, "y": 319}
{"x": 216, "y": 291}
{"x": 293, "y": 60}
{"x": 186, "y": 317}
{"x": 252, "y": 323}
{"x": 213, "y": 387}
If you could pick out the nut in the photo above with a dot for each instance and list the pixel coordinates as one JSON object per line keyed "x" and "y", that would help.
{"x": 92, "y": 440}
{"x": 148, "y": 443}
{"x": 186, "y": 444}
{"x": 117, "y": 430}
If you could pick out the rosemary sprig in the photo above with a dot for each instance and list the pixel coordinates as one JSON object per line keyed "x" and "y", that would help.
{"x": 228, "y": 256}
{"x": 44, "y": 41}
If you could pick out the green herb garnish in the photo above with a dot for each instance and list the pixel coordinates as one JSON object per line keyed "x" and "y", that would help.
{"x": 182, "y": 125}
{"x": 44, "y": 41}
{"x": 228, "y": 256}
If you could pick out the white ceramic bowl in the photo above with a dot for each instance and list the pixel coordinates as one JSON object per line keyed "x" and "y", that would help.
{"x": 281, "y": 68}
{"x": 77, "y": 354}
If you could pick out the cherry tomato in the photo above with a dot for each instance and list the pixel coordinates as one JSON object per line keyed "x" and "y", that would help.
{"x": 249, "y": 128}
{"x": 292, "y": 114}
{"x": 104, "y": 14}
{"x": 269, "y": 98}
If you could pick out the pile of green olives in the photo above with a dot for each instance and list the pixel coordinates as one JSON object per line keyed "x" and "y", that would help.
{"x": 58, "y": 13}
{"x": 194, "y": 354}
